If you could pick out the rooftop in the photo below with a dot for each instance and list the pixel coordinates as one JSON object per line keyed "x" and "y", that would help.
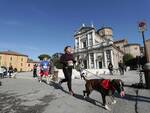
{"x": 132, "y": 44}
{"x": 83, "y": 29}
{"x": 32, "y": 61}
{"x": 12, "y": 53}
{"x": 104, "y": 28}
{"x": 119, "y": 41}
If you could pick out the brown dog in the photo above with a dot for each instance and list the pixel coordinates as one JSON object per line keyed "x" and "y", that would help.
{"x": 106, "y": 87}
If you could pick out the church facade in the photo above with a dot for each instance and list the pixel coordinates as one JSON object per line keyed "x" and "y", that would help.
{"x": 95, "y": 48}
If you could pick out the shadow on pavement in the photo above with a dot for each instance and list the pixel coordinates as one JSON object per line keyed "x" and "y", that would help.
{"x": 10, "y": 103}
{"x": 57, "y": 86}
{"x": 136, "y": 97}
{"x": 90, "y": 100}
{"x": 78, "y": 96}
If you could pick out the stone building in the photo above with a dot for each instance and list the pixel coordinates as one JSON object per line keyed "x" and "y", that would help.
{"x": 95, "y": 47}
{"x": 121, "y": 44}
{"x": 133, "y": 49}
{"x": 129, "y": 48}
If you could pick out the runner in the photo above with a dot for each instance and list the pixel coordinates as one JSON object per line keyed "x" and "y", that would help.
{"x": 44, "y": 70}
{"x": 68, "y": 62}
{"x": 34, "y": 71}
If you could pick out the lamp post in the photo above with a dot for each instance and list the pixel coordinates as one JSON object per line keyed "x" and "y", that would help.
{"x": 142, "y": 28}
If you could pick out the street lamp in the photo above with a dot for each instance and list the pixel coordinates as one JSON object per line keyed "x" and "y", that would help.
{"x": 142, "y": 28}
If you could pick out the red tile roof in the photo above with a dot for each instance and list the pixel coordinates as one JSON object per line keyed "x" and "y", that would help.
{"x": 12, "y": 53}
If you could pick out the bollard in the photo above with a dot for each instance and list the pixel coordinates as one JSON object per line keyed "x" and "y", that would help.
{"x": 147, "y": 74}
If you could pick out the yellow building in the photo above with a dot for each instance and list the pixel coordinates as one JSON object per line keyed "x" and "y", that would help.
{"x": 30, "y": 65}
{"x": 17, "y": 60}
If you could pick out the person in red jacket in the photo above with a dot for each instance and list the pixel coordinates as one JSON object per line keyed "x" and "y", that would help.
{"x": 68, "y": 62}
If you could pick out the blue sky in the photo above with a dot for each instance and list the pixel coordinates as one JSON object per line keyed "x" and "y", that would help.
{"x": 34, "y": 27}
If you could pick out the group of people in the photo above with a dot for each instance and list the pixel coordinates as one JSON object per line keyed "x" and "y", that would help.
{"x": 10, "y": 72}
{"x": 42, "y": 69}
{"x": 67, "y": 60}
{"x": 121, "y": 67}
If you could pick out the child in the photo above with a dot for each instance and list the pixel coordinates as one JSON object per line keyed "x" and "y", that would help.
{"x": 44, "y": 70}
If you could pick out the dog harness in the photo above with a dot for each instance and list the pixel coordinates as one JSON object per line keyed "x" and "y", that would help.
{"x": 107, "y": 85}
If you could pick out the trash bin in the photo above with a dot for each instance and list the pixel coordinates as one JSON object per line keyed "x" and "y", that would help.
{"x": 55, "y": 76}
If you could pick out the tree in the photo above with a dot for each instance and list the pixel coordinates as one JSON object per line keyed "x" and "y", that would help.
{"x": 56, "y": 60}
{"x": 42, "y": 56}
{"x": 126, "y": 58}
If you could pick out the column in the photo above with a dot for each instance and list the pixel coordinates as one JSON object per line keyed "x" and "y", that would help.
{"x": 79, "y": 42}
{"x": 76, "y": 44}
{"x": 93, "y": 37}
{"x": 105, "y": 60}
{"x": 95, "y": 65}
{"x": 89, "y": 61}
{"x": 112, "y": 57}
{"x": 88, "y": 40}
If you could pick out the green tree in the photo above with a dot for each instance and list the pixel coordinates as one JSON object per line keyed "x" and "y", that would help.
{"x": 126, "y": 58}
{"x": 42, "y": 56}
{"x": 56, "y": 60}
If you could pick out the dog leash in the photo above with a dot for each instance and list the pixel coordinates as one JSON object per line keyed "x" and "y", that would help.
{"x": 93, "y": 74}
{"x": 79, "y": 69}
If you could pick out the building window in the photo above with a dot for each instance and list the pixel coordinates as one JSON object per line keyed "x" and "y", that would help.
{"x": 78, "y": 57}
{"x": 135, "y": 48}
{"x": 0, "y": 57}
{"x": 108, "y": 56}
{"x": 11, "y": 58}
{"x": 28, "y": 65}
{"x": 21, "y": 59}
{"x": 92, "y": 60}
{"x": 118, "y": 47}
{"x": 21, "y": 64}
{"x": 21, "y": 69}
{"x": 77, "y": 44}
{"x": 84, "y": 44}
{"x": 90, "y": 42}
